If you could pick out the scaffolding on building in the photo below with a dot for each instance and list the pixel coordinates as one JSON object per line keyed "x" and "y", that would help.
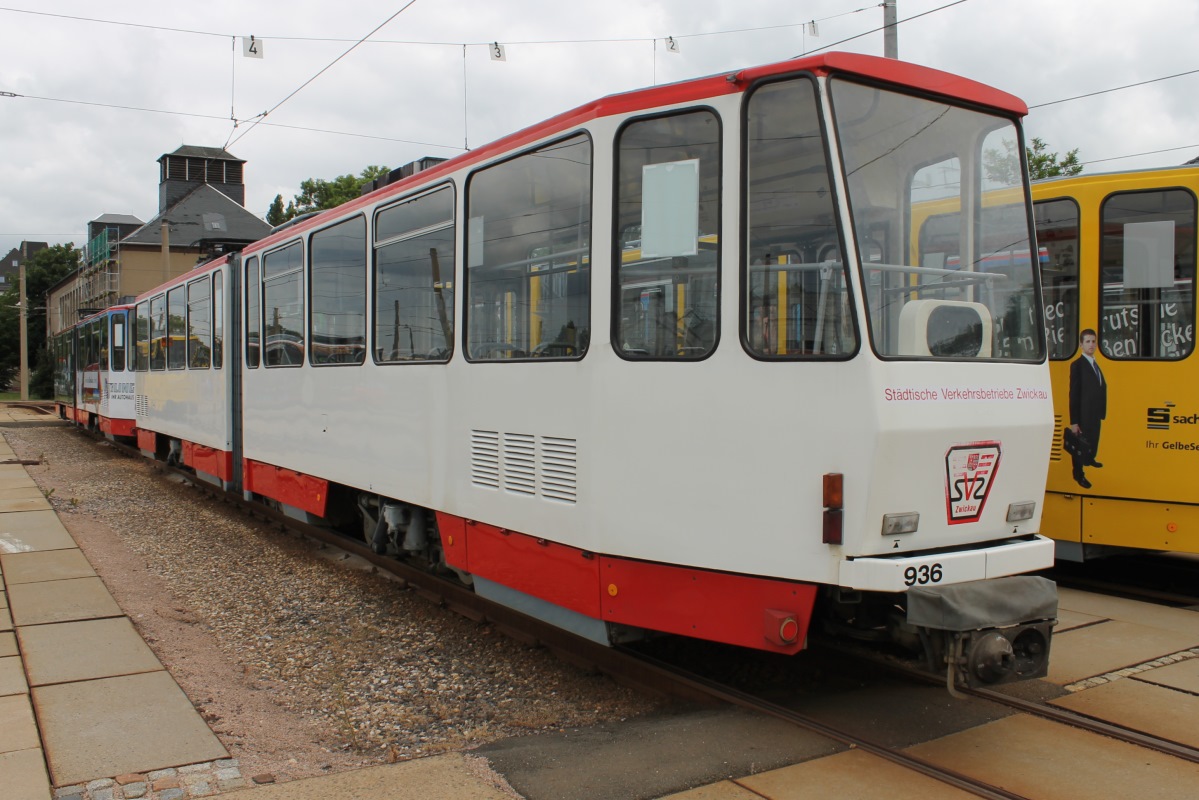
{"x": 100, "y": 274}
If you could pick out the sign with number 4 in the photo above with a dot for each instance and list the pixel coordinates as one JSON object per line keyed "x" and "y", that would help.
{"x": 251, "y": 47}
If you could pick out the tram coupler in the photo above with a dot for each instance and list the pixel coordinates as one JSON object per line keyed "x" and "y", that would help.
{"x": 987, "y": 632}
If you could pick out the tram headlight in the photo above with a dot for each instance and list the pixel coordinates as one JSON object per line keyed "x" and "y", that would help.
{"x": 1018, "y": 512}
{"x": 894, "y": 524}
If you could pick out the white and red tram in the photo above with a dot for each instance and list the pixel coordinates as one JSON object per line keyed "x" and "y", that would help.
{"x": 93, "y": 376}
{"x": 185, "y": 401}
{"x": 673, "y": 361}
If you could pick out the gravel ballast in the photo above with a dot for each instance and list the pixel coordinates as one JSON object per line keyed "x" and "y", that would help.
{"x": 302, "y": 660}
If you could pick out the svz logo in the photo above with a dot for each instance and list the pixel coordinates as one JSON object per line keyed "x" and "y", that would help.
{"x": 969, "y": 473}
{"x": 1160, "y": 418}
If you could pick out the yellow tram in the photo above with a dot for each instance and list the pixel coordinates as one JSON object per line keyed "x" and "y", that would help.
{"x": 1117, "y": 253}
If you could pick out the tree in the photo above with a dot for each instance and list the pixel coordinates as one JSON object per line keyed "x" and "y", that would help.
{"x": 1042, "y": 164}
{"x": 317, "y": 194}
{"x": 275, "y": 215}
{"x": 1003, "y": 168}
{"x": 43, "y": 269}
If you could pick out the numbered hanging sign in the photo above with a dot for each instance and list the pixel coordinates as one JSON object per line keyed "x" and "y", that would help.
{"x": 672, "y": 45}
{"x": 497, "y": 52}
{"x": 251, "y": 47}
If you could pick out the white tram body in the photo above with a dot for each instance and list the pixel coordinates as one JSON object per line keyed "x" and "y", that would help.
{"x": 183, "y": 386}
{"x": 674, "y": 361}
{"x": 95, "y": 350}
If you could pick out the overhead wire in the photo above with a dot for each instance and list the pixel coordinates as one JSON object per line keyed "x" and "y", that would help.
{"x": 259, "y": 119}
{"x": 263, "y": 115}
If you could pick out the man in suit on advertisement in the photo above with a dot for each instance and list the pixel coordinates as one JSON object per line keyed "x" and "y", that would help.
{"x": 1088, "y": 404}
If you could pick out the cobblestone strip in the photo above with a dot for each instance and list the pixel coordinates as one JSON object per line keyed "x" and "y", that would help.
{"x": 1109, "y": 677}
{"x": 183, "y": 783}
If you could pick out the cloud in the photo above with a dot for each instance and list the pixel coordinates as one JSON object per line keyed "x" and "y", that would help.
{"x": 62, "y": 164}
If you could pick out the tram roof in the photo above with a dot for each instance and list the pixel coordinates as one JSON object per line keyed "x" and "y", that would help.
{"x": 885, "y": 70}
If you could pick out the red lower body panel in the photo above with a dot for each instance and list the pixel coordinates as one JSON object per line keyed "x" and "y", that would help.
{"x": 743, "y": 610}
{"x": 209, "y": 460}
{"x": 117, "y": 427}
{"x": 293, "y": 488}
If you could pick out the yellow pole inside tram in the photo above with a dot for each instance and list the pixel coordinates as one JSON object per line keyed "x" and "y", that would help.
{"x": 781, "y": 312}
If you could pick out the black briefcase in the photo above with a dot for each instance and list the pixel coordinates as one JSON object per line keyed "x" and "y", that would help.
{"x": 1077, "y": 445}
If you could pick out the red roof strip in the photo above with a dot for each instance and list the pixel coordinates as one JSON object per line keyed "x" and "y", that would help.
{"x": 882, "y": 69}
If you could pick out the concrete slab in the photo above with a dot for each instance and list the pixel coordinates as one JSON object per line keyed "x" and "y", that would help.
{"x": 26, "y": 531}
{"x": 1037, "y": 758}
{"x": 1099, "y": 649}
{"x": 8, "y": 645}
{"x": 724, "y": 790}
{"x": 133, "y": 723}
{"x": 3, "y": 596}
{"x": 448, "y": 777}
{"x": 17, "y": 728}
{"x": 849, "y": 776}
{"x": 16, "y": 489}
{"x": 12, "y": 676}
{"x": 46, "y": 565}
{"x": 5, "y": 619}
{"x": 1068, "y": 620}
{"x": 61, "y": 601}
{"x": 113, "y": 647}
{"x": 13, "y": 481}
{"x": 1183, "y": 676}
{"x": 1162, "y": 712}
{"x": 10, "y": 504}
{"x": 1122, "y": 609}
{"x": 24, "y": 773}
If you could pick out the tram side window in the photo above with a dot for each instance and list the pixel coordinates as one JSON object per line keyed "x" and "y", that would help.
{"x": 1147, "y": 268}
{"x": 253, "y": 317}
{"x": 88, "y": 345}
{"x": 667, "y": 246}
{"x": 177, "y": 328}
{"x": 199, "y": 324}
{"x": 118, "y": 341}
{"x": 529, "y": 255}
{"x": 283, "y": 306}
{"x": 158, "y": 332}
{"x": 796, "y": 290}
{"x": 218, "y": 320}
{"x": 100, "y": 333}
{"x": 1057, "y": 238}
{"x": 338, "y": 287}
{"x": 142, "y": 337}
{"x": 414, "y": 279}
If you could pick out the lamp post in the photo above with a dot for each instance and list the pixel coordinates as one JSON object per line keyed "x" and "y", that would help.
{"x": 24, "y": 341}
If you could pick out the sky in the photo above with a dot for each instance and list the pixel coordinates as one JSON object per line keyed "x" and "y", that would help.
{"x": 103, "y": 90}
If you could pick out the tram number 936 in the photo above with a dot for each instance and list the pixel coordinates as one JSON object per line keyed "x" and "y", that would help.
{"x": 923, "y": 574}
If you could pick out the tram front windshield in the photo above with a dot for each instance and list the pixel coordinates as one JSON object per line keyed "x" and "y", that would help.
{"x": 940, "y": 224}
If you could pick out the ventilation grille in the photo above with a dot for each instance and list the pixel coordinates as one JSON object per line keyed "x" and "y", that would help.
{"x": 1055, "y": 454}
{"x": 485, "y": 459}
{"x": 520, "y": 463}
{"x": 525, "y": 465}
{"x": 559, "y": 462}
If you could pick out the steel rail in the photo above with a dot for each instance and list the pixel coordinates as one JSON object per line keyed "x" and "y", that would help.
{"x": 1062, "y": 716}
